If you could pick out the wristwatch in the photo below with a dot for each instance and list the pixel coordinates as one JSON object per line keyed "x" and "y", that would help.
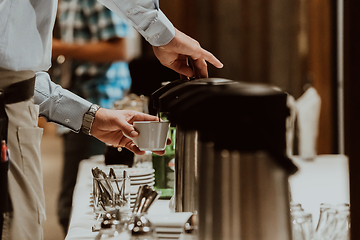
{"x": 88, "y": 119}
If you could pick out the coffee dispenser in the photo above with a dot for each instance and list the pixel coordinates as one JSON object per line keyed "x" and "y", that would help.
{"x": 187, "y": 144}
{"x": 231, "y": 162}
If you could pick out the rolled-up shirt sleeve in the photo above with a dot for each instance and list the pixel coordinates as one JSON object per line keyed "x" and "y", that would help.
{"x": 146, "y": 17}
{"x": 59, "y": 105}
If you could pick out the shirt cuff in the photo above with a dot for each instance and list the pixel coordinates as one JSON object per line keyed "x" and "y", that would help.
{"x": 160, "y": 32}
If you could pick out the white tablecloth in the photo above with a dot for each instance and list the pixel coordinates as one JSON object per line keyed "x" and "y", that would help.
{"x": 82, "y": 217}
{"x": 323, "y": 180}
{"x": 326, "y": 179}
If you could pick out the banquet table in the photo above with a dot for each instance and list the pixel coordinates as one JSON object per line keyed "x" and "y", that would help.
{"x": 323, "y": 180}
{"x": 82, "y": 216}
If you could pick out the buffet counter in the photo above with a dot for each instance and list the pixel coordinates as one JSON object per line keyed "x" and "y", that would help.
{"x": 324, "y": 180}
{"x": 82, "y": 216}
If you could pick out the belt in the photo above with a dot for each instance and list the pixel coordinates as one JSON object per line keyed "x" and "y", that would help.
{"x": 19, "y": 92}
{"x": 14, "y": 93}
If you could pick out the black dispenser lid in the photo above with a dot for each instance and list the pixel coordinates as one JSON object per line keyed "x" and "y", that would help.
{"x": 183, "y": 88}
{"x": 234, "y": 115}
{"x": 157, "y": 94}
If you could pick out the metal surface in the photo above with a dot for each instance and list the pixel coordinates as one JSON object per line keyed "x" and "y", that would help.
{"x": 340, "y": 75}
{"x": 186, "y": 161}
{"x": 242, "y": 196}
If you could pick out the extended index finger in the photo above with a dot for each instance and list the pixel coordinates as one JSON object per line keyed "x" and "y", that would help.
{"x": 144, "y": 117}
{"x": 209, "y": 57}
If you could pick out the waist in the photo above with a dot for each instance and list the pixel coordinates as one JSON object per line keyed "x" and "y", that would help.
{"x": 8, "y": 77}
{"x": 18, "y": 91}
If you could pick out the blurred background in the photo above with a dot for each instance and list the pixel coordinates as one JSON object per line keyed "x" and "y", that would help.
{"x": 291, "y": 44}
{"x": 52, "y": 160}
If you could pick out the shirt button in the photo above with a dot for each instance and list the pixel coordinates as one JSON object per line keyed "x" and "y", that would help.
{"x": 156, "y": 36}
{"x": 67, "y": 120}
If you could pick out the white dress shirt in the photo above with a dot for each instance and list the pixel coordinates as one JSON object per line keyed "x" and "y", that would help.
{"x": 25, "y": 46}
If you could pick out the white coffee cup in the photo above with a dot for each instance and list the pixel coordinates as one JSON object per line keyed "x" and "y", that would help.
{"x": 152, "y": 135}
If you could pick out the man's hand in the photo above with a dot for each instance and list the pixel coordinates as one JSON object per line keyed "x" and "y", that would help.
{"x": 181, "y": 49}
{"x": 109, "y": 126}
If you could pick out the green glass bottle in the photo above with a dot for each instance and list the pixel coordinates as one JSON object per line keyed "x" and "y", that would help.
{"x": 165, "y": 167}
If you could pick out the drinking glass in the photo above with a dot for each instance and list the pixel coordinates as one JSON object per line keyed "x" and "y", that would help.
{"x": 302, "y": 226}
{"x": 327, "y": 222}
{"x": 112, "y": 193}
{"x": 343, "y": 223}
{"x": 342, "y": 227}
{"x": 295, "y": 207}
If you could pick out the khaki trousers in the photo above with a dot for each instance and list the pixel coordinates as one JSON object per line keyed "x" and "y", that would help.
{"x": 25, "y": 173}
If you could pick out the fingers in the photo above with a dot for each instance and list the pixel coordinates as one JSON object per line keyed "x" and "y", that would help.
{"x": 143, "y": 117}
{"x": 176, "y": 53}
{"x": 160, "y": 153}
{"x": 181, "y": 66}
{"x": 132, "y": 147}
{"x": 129, "y": 144}
{"x": 183, "y": 69}
{"x": 192, "y": 48}
{"x": 199, "y": 68}
{"x": 198, "y": 63}
{"x": 207, "y": 56}
{"x": 183, "y": 77}
{"x": 127, "y": 126}
{"x": 168, "y": 142}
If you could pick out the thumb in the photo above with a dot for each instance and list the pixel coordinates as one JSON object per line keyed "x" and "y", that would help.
{"x": 127, "y": 128}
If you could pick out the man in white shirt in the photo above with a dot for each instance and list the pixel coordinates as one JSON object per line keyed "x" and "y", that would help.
{"x": 25, "y": 53}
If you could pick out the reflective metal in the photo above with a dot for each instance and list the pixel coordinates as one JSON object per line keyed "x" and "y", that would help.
{"x": 242, "y": 196}
{"x": 186, "y": 161}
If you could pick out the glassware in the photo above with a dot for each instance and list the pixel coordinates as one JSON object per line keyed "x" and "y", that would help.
{"x": 141, "y": 228}
{"x": 172, "y": 204}
{"x": 295, "y": 207}
{"x": 334, "y": 222}
{"x": 342, "y": 222}
{"x": 327, "y": 222}
{"x": 112, "y": 193}
{"x": 302, "y": 226}
{"x": 112, "y": 228}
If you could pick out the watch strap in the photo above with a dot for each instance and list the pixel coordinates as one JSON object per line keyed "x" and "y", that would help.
{"x": 88, "y": 119}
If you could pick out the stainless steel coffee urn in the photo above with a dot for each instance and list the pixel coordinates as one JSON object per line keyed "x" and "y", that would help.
{"x": 231, "y": 162}
{"x": 187, "y": 145}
